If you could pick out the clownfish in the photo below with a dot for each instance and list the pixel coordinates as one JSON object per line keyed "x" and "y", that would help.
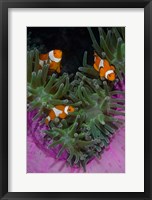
{"x": 104, "y": 68}
{"x": 53, "y": 58}
{"x": 60, "y": 111}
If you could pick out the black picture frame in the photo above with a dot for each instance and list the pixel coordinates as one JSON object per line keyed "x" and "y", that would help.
{"x": 4, "y": 112}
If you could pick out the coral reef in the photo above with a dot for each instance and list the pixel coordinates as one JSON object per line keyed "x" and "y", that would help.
{"x": 99, "y": 104}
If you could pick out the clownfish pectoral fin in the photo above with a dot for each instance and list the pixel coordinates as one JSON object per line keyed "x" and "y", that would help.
{"x": 102, "y": 72}
{"x": 62, "y": 115}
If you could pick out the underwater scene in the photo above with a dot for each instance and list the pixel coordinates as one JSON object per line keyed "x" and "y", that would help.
{"x": 75, "y": 99}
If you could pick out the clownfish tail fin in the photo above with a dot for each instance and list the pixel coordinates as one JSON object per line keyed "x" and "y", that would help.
{"x": 47, "y": 120}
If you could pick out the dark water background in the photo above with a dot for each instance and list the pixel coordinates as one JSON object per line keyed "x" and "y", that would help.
{"x": 73, "y": 41}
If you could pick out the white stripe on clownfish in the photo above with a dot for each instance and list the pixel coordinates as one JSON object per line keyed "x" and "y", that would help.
{"x": 66, "y": 109}
{"x": 53, "y": 58}
{"x": 108, "y": 72}
{"x": 101, "y": 64}
{"x": 57, "y": 111}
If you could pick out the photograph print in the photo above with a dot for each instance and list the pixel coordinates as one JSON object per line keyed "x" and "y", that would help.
{"x": 75, "y": 99}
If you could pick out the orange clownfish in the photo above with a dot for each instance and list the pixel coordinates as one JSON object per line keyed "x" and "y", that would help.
{"x": 60, "y": 111}
{"x": 53, "y": 58}
{"x": 104, "y": 68}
